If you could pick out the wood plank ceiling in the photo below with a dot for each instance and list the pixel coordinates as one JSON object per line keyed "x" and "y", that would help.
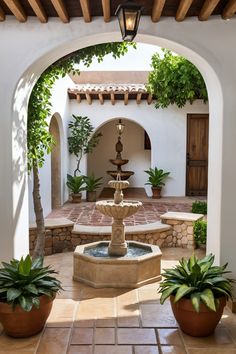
{"x": 156, "y": 9}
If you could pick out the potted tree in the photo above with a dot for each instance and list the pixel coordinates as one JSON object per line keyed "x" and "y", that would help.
{"x": 91, "y": 184}
{"x": 156, "y": 180}
{"x": 27, "y": 290}
{"x": 76, "y": 186}
{"x": 198, "y": 291}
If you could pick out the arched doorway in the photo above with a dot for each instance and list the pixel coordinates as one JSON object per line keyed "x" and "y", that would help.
{"x": 189, "y": 42}
{"x": 55, "y": 164}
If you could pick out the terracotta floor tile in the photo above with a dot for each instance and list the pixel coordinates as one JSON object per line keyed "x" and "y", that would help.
{"x": 136, "y": 336}
{"x": 84, "y": 323}
{"x": 232, "y": 332}
{"x": 169, "y": 336}
{"x": 157, "y": 315}
{"x": 82, "y": 336}
{"x": 113, "y": 349}
{"x": 172, "y": 349}
{"x": 105, "y": 322}
{"x": 228, "y": 318}
{"x": 104, "y": 336}
{"x": 148, "y": 295}
{"x": 80, "y": 349}
{"x": 54, "y": 341}
{"x": 147, "y": 349}
{"x": 212, "y": 351}
{"x": 220, "y": 338}
{"x": 16, "y": 345}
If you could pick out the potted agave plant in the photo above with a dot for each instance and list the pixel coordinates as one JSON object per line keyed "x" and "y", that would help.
{"x": 156, "y": 178}
{"x": 27, "y": 291}
{"x": 91, "y": 184}
{"x": 76, "y": 186}
{"x": 198, "y": 291}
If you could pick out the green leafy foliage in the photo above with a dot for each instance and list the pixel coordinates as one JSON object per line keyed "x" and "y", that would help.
{"x": 156, "y": 177}
{"x": 174, "y": 80}
{"x": 39, "y": 139}
{"x": 198, "y": 280}
{"x": 75, "y": 184}
{"x": 199, "y": 207}
{"x": 200, "y": 232}
{"x": 92, "y": 183}
{"x": 23, "y": 281}
{"x": 81, "y": 141}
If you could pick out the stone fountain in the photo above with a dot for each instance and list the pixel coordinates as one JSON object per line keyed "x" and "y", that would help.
{"x": 117, "y": 263}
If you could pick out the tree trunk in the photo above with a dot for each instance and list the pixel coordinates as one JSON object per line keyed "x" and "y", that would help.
{"x": 40, "y": 240}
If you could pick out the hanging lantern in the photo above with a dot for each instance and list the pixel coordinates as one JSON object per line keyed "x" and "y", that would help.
{"x": 128, "y": 15}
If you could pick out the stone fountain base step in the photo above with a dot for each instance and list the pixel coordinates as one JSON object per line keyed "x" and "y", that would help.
{"x": 117, "y": 272}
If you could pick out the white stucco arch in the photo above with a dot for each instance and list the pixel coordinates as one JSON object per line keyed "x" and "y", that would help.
{"x": 37, "y": 46}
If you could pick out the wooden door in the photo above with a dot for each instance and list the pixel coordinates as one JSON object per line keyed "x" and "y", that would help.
{"x": 197, "y": 154}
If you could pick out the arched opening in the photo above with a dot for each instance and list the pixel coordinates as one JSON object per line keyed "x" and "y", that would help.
{"x": 133, "y": 141}
{"x": 55, "y": 164}
{"x": 216, "y": 104}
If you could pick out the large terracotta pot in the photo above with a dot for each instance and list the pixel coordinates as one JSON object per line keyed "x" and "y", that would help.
{"x": 19, "y": 323}
{"x": 156, "y": 192}
{"x": 196, "y": 324}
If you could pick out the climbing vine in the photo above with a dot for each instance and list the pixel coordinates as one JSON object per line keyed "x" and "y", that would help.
{"x": 174, "y": 80}
{"x": 39, "y": 139}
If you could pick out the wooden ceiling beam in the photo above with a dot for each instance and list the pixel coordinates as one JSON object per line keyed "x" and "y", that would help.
{"x": 138, "y": 98}
{"x": 183, "y": 9}
{"x": 113, "y": 101}
{"x": 207, "y": 9}
{"x": 101, "y": 99}
{"x": 16, "y": 9}
{"x": 229, "y": 10}
{"x": 2, "y": 15}
{"x": 88, "y": 98}
{"x": 60, "y": 8}
{"x": 126, "y": 98}
{"x": 78, "y": 97}
{"x": 149, "y": 98}
{"x": 39, "y": 10}
{"x": 106, "y": 8}
{"x": 157, "y": 8}
{"x": 85, "y": 7}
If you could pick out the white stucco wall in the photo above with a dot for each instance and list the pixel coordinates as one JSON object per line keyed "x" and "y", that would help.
{"x": 28, "y": 48}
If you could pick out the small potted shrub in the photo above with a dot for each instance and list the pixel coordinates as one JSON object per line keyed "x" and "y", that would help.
{"x": 156, "y": 180}
{"x": 198, "y": 291}
{"x": 27, "y": 290}
{"x": 91, "y": 184}
{"x": 76, "y": 186}
{"x": 200, "y": 233}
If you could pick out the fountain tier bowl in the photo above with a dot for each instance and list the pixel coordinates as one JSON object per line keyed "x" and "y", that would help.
{"x": 118, "y": 211}
{"x": 117, "y": 272}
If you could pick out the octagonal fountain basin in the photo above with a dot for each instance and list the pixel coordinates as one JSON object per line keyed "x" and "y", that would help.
{"x": 93, "y": 265}
{"x": 118, "y": 211}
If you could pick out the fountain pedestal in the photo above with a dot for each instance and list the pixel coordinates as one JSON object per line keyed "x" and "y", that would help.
{"x": 118, "y": 245}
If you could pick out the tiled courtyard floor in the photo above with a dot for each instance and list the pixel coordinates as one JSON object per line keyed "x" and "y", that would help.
{"x": 85, "y": 213}
{"x": 117, "y": 321}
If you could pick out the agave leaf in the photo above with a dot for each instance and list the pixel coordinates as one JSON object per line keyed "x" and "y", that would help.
{"x": 167, "y": 292}
{"x": 192, "y": 261}
{"x": 221, "y": 291}
{"x": 207, "y": 298}
{"x": 36, "y": 302}
{"x": 25, "y": 265}
{"x": 37, "y": 263}
{"x": 206, "y": 259}
{"x": 12, "y": 294}
{"x": 26, "y": 303}
{"x": 195, "y": 299}
{"x": 183, "y": 290}
{"x": 184, "y": 264}
{"x": 31, "y": 288}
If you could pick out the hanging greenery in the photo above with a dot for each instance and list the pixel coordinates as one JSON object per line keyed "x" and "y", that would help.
{"x": 174, "y": 80}
{"x": 39, "y": 139}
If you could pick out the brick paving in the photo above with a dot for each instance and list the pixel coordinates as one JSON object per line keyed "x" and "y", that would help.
{"x": 85, "y": 213}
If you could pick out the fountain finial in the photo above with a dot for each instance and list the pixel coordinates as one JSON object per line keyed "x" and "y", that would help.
{"x": 118, "y": 184}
